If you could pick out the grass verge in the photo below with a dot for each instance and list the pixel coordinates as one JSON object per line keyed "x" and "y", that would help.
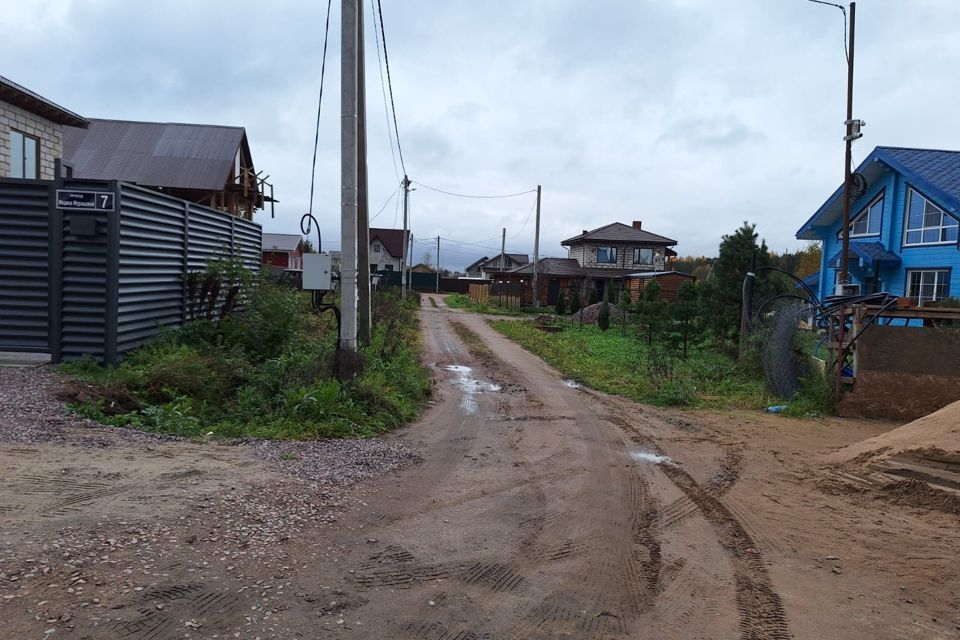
{"x": 623, "y": 365}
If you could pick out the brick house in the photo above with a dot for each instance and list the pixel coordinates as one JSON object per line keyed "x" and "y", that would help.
{"x": 607, "y": 254}
{"x": 31, "y": 132}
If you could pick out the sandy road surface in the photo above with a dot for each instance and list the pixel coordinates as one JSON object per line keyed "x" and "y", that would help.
{"x": 539, "y": 511}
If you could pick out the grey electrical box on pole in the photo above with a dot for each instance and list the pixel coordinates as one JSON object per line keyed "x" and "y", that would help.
{"x": 348, "y": 175}
{"x": 316, "y": 272}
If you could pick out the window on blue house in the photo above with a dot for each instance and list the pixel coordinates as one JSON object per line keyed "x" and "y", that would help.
{"x": 928, "y": 285}
{"x": 867, "y": 222}
{"x": 927, "y": 223}
{"x": 607, "y": 255}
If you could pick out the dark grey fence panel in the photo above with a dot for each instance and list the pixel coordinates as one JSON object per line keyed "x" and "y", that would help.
{"x": 151, "y": 264}
{"x": 84, "y": 299}
{"x": 209, "y": 238}
{"x": 24, "y": 265}
{"x": 247, "y": 243}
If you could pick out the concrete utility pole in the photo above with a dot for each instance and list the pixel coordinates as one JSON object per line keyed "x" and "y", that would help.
{"x": 348, "y": 174}
{"x": 364, "y": 321}
{"x": 536, "y": 256}
{"x": 404, "y": 258}
{"x": 409, "y": 266}
{"x": 503, "y": 248}
{"x": 438, "y": 264}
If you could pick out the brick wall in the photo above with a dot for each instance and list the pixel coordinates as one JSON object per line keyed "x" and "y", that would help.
{"x": 50, "y": 135}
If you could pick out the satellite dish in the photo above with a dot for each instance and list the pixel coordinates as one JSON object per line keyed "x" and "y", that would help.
{"x": 858, "y": 185}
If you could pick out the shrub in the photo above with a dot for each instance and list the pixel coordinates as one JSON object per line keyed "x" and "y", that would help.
{"x": 594, "y": 297}
{"x": 575, "y": 300}
{"x": 561, "y": 307}
{"x": 603, "y": 319}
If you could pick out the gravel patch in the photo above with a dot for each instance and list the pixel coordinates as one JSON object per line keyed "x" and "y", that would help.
{"x": 335, "y": 462}
{"x": 30, "y": 414}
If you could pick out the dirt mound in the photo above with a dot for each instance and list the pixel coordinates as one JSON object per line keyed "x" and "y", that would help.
{"x": 936, "y": 437}
{"x": 592, "y": 312}
{"x": 916, "y": 493}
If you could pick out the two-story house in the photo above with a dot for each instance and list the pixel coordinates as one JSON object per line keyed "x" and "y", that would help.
{"x": 31, "y": 132}
{"x": 904, "y": 228}
{"x": 608, "y": 254}
{"x": 485, "y": 266}
{"x": 386, "y": 249}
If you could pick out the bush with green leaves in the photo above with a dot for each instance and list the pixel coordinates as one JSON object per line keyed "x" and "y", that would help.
{"x": 603, "y": 318}
{"x": 575, "y": 300}
{"x": 561, "y": 306}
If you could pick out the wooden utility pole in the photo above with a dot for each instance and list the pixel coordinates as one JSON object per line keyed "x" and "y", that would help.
{"x": 406, "y": 256}
{"x": 536, "y": 256}
{"x": 364, "y": 322}
{"x": 348, "y": 174}
{"x": 850, "y": 136}
{"x": 438, "y": 264}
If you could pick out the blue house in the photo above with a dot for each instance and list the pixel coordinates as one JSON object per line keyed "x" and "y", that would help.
{"x": 904, "y": 229}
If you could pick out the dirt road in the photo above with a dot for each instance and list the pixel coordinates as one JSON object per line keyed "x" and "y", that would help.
{"x": 539, "y": 511}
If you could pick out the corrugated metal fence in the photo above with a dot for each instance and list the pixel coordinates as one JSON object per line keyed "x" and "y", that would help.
{"x": 78, "y": 282}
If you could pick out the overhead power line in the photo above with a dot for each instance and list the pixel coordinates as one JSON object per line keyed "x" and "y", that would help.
{"x": 481, "y": 197}
{"x": 383, "y": 91}
{"x": 316, "y": 135}
{"x": 392, "y": 195}
{"x": 844, "y": 10}
{"x": 393, "y": 107}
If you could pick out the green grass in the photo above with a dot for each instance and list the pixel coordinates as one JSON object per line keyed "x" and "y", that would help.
{"x": 462, "y": 301}
{"x": 626, "y": 366}
{"x": 268, "y": 373}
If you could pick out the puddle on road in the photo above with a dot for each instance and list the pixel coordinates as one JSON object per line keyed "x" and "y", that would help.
{"x": 649, "y": 456}
{"x": 573, "y": 384}
{"x": 470, "y": 387}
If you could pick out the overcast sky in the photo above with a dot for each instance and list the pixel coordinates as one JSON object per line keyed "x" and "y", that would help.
{"x": 690, "y": 115}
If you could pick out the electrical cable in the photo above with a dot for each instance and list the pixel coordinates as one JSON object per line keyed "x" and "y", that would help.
{"x": 393, "y": 106}
{"x": 316, "y": 136}
{"x": 846, "y": 51}
{"x": 392, "y": 195}
{"x": 463, "y": 195}
{"x": 383, "y": 91}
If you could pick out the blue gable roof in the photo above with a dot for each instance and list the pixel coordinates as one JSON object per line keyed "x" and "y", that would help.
{"x": 935, "y": 172}
{"x": 872, "y": 253}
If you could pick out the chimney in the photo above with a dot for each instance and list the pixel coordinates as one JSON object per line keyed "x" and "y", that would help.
{"x": 637, "y": 224}
{"x": 585, "y": 232}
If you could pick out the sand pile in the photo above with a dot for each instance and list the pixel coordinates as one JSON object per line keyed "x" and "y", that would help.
{"x": 934, "y": 437}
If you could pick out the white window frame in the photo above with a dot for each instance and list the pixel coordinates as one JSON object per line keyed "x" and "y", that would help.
{"x": 611, "y": 251}
{"x": 941, "y": 227}
{"x": 940, "y": 277}
{"x": 866, "y": 213}
{"x": 21, "y": 162}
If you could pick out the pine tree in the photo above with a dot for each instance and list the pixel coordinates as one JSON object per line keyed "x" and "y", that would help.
{"x": 594, "y": 298}
{"x": 603, "y": 320}
{"x": 561, "y": 307}
{"x": 575, "y": 300}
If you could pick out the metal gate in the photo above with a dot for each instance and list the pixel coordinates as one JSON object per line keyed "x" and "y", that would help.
{"x": 24, "y": 265}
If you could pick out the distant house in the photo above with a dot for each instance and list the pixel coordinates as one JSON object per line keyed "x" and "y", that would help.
{"x": 485, "y": 267}
{"x": 283, "y": 250}
{"x": 904, "y": 228}
{"x": 422, "y": 268}
{"x": 386, "y": 249}
{"x": 608, "y": 254}
{"x": 31, "y": 132}
{"x": 206, "y": 164}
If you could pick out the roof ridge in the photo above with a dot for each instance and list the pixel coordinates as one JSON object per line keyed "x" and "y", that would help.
{"x": 167, "y": 124}
{"x": 916, "y": 149}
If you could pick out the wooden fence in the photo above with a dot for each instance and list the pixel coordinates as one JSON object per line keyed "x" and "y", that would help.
{"x": 479, "y": 292}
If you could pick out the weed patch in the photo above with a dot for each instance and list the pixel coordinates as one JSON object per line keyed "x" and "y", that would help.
{"x": 266, "y": 372}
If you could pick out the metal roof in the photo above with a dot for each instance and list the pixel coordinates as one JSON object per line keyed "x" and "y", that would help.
{"x": 619, "y": 232}
{"x": 870, "y": 253}
{"x": 392, "y": 240}
{"x": 155, "y": 154}
{"x": 15, "y": 94}
{"x": 657, "y": 274}
{"x": 552, "y": 267}
{"x": 935, "y": 172}
{"x": 280, "y": 242}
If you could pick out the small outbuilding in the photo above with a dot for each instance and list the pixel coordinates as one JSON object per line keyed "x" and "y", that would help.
{"x": 284, "y": 250}
{"x": 669, "y": 281}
